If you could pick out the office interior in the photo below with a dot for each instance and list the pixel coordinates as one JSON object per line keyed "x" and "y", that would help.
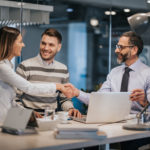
{"x": 90, "y": 31}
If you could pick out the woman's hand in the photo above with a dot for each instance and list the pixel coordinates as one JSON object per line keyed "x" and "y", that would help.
{"x": 66, "y": 90}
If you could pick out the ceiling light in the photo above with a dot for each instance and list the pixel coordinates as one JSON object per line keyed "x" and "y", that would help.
{"x": 110, "y": 13}
{"x": 113, "y": 13}
{"x": 126, "y": 10}
{"x": 101, "y": 46}
{"x": 148, "y": 1}
{"x": 94, "y": 22}
{"x": 107, "y": 12}
{"x": 69, "y": 10}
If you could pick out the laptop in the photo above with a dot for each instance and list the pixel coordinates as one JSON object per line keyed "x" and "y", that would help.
{"x": 18, "y": 121}
{"x": 107, "y": 107}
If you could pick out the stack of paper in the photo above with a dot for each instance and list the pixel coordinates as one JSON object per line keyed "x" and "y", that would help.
{"x": 79, "y": 133}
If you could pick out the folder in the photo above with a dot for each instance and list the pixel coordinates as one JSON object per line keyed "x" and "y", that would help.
{"x": 20, "y": 121}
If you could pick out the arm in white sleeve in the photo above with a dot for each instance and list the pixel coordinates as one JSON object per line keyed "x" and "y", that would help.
{"x": 147, "y": 89}
{"x": 84, "y": 97}
{"x": 106, "y": 87}
{"x": 8, "y": 75}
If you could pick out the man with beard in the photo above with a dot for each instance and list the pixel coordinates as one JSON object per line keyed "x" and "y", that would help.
{"x": 43, "y": 68}
{"x": 128, "y": 48}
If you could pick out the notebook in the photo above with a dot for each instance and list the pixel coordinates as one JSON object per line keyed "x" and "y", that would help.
{"x": 107, "y": 107}
{"x": 18, "y": 121}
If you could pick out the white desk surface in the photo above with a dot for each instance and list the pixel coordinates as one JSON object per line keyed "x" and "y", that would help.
{"x": 45, "y": 139}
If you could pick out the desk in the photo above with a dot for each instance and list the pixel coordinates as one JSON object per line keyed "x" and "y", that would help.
{"x": 46, "y": 140}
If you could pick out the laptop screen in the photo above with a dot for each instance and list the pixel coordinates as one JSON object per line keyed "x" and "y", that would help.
{"x": 108, "y": 107}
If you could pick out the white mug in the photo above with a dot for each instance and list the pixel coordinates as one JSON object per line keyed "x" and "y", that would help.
{"x": 63, "y": 116}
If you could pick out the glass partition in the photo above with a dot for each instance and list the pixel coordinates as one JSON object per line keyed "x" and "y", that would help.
{"x": 103, "y": 26}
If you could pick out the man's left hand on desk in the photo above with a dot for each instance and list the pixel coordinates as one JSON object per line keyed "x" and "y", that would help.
{"x": 74, "y": 112}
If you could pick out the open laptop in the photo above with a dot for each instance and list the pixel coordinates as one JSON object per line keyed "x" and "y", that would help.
{"x": 18, "y": 121}
{"x": 107, "y": 107}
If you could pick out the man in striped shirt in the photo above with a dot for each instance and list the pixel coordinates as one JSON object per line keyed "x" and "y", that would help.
{"x": 43, "y": 68}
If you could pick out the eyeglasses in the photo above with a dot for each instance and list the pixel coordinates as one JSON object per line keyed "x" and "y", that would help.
{"x": 121, "y": 47}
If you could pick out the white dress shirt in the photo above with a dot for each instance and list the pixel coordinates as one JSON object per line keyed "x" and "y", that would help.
{"x": 139, "y": 79}
{"x": 9, "y": 80}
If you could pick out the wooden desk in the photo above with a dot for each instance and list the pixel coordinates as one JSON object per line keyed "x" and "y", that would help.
{"x": 45, "y": 140}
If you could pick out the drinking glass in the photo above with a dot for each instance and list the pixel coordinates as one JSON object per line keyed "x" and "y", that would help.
{"x": 49, "y": 112}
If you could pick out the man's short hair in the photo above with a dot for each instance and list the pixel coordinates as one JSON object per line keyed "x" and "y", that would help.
{"x": 135, "y": 40}
{"x": 53, "y": 32}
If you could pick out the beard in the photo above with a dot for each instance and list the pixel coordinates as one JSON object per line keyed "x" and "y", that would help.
{"x": 51, "y": 57}
{"x": 123, "y": 58}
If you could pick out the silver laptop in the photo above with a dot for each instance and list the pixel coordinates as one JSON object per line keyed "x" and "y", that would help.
{"x": 107, "y": 107}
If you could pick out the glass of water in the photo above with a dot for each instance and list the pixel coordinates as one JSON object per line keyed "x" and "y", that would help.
{"x": 49, "y": 112}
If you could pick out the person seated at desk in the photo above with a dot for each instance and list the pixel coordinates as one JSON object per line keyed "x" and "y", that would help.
{"x": 43, "y": 68}
{"x": 132, "y": 75}
{"x": 10, "y": 46}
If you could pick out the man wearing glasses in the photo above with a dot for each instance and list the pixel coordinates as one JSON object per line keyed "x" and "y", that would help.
{"x": 132, "y": 75}
{"x": 137, "y": 74}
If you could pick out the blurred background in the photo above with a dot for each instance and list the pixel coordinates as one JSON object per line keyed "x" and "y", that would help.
{"x": 90, "y": 31}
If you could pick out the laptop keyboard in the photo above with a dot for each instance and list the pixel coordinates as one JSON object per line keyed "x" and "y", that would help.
{"x": 83, "y": 119}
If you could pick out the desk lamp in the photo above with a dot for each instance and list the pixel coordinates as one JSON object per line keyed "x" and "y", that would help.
{"x": 140, "y": 126}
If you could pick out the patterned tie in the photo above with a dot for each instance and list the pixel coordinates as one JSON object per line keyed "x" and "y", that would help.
{"x": 125, "y": 80}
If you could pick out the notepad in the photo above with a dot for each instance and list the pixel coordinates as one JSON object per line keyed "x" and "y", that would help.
{"x": 79, "y": 133}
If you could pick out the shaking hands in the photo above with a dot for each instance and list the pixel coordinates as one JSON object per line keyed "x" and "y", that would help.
{"x": 68, "y": 90}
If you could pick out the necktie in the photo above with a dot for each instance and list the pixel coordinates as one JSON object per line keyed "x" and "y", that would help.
{"x": 125, "y": 80}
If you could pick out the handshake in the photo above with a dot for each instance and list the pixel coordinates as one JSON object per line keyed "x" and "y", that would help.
{"x": 68, "y": 90}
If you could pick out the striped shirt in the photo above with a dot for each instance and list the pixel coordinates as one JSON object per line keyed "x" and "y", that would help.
{"x": 37, "y": 70}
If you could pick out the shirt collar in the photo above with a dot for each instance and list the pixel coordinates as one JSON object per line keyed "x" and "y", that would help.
{"x": 44, "y": 62}
{"x": 134, "y": 66}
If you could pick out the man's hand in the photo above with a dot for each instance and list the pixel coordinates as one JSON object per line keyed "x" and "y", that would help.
{"x": 37, "y": 115}
{"x": 74, "y": 112}
{"x": 75, "y": 91}
{"x": 139, "y": 95}
{"x": 67, "y": 91}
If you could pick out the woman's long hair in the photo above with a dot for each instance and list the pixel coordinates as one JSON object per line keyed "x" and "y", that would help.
{"x": 8, "y": 35}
